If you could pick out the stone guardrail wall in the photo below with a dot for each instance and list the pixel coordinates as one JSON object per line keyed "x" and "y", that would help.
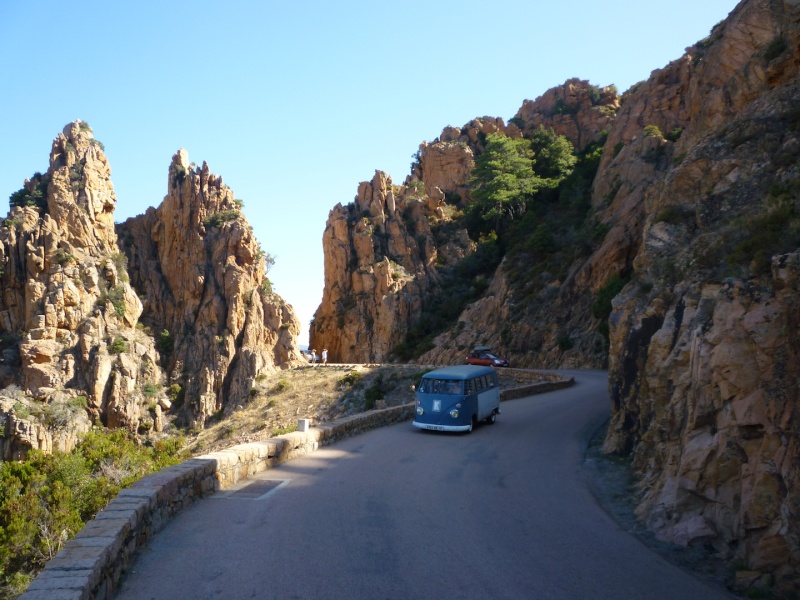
{"x": 535, "y": 388}
{"x": 90, "y": 565}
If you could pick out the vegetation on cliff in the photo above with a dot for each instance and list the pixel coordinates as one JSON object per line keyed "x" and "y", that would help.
{"x": 530, "y": 205}
{"x": 45, "y": 500}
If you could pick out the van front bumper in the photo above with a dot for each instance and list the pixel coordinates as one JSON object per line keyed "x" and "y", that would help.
{"x": 432, "y": 427}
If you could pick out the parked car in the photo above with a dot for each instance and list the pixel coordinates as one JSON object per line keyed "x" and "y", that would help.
{"x": 482, "y": 355}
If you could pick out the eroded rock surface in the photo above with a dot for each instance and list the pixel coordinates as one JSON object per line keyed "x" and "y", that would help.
{"x": 67, "y": 308}
{"x": 203, "y": 275}
{"x": 703, "y": 362}
{"x": 73, "y": 350}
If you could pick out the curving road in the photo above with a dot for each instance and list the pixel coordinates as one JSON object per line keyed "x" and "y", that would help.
{"x": 397, "y": 513}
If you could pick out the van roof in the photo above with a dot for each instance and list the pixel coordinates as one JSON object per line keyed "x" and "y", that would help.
{"x": 458, "y": 372}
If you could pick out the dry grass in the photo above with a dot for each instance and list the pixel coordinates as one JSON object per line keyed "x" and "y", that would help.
{"x": 321, "y": 393}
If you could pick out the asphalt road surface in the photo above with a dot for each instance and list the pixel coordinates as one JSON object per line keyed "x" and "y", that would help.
{"x": 398, "y": 514}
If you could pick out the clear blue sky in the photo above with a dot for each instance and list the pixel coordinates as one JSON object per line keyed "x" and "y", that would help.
{"x": 295, "y": 103}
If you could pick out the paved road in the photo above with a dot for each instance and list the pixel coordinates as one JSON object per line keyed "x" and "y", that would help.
{"x": 397, "y": 513}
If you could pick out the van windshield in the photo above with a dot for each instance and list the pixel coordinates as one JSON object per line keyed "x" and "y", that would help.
{"x": 441, "y": 386}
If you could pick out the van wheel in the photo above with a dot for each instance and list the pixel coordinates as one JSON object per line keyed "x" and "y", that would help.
{"x": 472, "y": 422}
{"x": 491, "y": 418}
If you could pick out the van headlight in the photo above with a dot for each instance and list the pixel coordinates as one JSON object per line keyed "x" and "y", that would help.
{"x": 454, "y": 413}
{"x": 419, "y": 410}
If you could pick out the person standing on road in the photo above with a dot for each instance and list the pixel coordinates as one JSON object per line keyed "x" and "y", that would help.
{"x": 325, "y": 356}
{"x": 313, "y": 358}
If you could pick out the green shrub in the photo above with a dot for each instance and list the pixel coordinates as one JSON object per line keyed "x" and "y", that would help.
{"x": 60, "y": 414}
{"x": 221, "y": 217}
{"x": 266, "y": 287}
{"x": 37, "y": 197}
{"x": 175, "y": 392}
{"x": 674, "y": 215}
{"x": 76, "y": 176}
{"x": 63, "y": 257}
{"x": 151, "y": 390}
{"x": 118, "y": 346}
{"x": 22, "y": 411}
{"x": 653, "y": 131}
{"x": 121, "y": 263}
{"x": 762, "y": 236}
{"x": 564, "y": 342}
{"x": 562, "y": 108}
{"x": 675, "y": 134}
{"x": 542, "y": 239}
{"x": 46, "y": 500}
{"x": 775, "y": 48}
{"x": 281, "y": 386}
{"x": 179, "y": 175}
{"x": 417, "y": 187}
{"x": 116, "y": 296}
{"x": 352, "y": 379}
{"x": 376, "y": 391}
{"x": 165, "y": 344}
{"x": 283, "y": 430}
{"x": 78, "y": 402}
{"x": 601, "y": 308}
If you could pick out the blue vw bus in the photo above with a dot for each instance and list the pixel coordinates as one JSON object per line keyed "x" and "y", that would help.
{"x": 456, "y": 398}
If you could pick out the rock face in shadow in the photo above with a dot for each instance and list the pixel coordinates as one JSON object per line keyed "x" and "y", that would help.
{"x": 703, "y": 367}
{"x": 73, "y": 350}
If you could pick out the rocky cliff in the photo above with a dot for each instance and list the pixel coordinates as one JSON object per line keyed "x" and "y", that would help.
{"x": 702, "y": 360}
{"x": 206, "y": 294}
{"x": 379, "y": 264}
{"x": 506, "y": 316}
{"x": 74, "y": 352}
{"x": 691, "y": 225}
{"x": 385, "y": 252}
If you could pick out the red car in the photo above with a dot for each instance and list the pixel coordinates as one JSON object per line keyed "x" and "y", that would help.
{"x": 482, "y": 355}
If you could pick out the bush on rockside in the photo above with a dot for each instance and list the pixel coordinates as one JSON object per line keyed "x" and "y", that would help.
{"x": 47, "y": 499}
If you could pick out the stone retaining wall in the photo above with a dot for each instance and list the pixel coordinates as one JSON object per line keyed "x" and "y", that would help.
{"x": 90, "y": 565}
{"x": 535, "y": 388}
